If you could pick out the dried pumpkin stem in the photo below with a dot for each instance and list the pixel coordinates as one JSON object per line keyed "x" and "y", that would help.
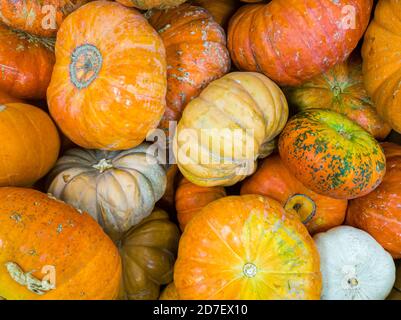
{"x": 48, "y": 43}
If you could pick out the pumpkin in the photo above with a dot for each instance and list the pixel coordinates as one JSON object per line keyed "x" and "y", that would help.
{"x": 246, "y": 248}
{"x": 354, "y": 266}
{"x": 232, "y": 123}
{"x": 190, "y": 199}
{"x": 30, "y": 144}
{"x": 380, "y": 54}
{"x": 321, "y": 35}
{"x": 38, "y": 17}
{"x": 118, "y": 188}
{"x": 6, "y": 98}
{"x": 396, "y": 292}
{"x": 196, "y": 55}
{"x": 150, "y": 4}
{"x": 26, "y": 63}
{"x": 108, "y": 86}
{"x": 221, "y": 10}
{"x": 331, "y": 154}
{"x": 51, "y": 251}
{"x": 318, "y": 213}
{"x": 148, "y": 253}
{"x": 169, "y": 293}
{"x": 341, "y": 89}
{"x": 167, "y": 201}
{"x": 379, "y": 212}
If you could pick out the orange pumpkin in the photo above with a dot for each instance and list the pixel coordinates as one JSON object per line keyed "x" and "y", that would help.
{"x": 247, "y": 247}
{"x": 318, "y": 213}
{"x": 6, "y": 98}
{"x": 379, "y": 213}
{"x": 332, "y": 155}
{"x": 169, "y": 293}
{"x": 292, "y": 41}
{"x": 196, "y": 54}
{"x": 221, "y": 10}
{"x": 50, "y": 251}
{"x": 190, "y": 199}
{"x": 109, "y": 83}
{"x": 150, "y": 4}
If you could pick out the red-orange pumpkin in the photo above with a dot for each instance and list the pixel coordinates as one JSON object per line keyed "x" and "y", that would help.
{"x": 6, "y": 98}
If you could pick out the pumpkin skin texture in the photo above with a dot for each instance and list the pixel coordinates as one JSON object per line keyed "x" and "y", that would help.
{"x": 6, "y": 98}
{"x": 20, "y": 77}
{"x": 151, "y": 4}
{"x": 318, "y": 213}
{"x": 30, "y": 147}
{"x": 341, "y": 89}
{"x": 36, "y": 16}
{"x": 190, "y": 199}
{"x": 148, "y": 253}
{"x": 97, "y": 101}
{"x": 332, "y": 155}
{"x": 196, "y": 54}
{"x": 379, "y": 212}
{"x": 118, "y": 189}
{"x": 254, "y": 246}
{"x": 354, "y": 266}
{"x": 380, "y": 52}
{"x": 169, "y": 293}
{"x": 221, "y": 10}
{"x": 258, "y": 37}
{"x": 242, "y": 112}
{"x": 38, "y": 231}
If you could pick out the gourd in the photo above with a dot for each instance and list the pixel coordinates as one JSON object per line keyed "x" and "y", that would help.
{"x": 6, "y": 98}
{"x": 150, "y": 4}
{"x": 169, "y": 293}
{"x": 221, "y": 10}
{"x": 354, "y": 266}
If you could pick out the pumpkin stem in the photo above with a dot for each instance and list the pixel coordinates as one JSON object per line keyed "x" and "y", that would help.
{"x": 48, "y": 43}
{"x": 249, "y": 270}
{"x": 103, "y": 165}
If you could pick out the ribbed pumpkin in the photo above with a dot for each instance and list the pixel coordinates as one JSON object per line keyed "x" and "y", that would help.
{"x": 148, "y": 253}
{"x": 109, "y": 83}
{"x": 232, "y": 123}
{"x": 318, "y": 213}
{"x": 169, "y": 293}
{"x": 221, "y": 10}
{"x": 150, "y": 4}
{"x": 38, "y": 17}
{"x": 332, "y": 155}
{"x": 26, "y": 63}
{"x": 247, "y": 247}
{"x": 118, "y": 189}
{"x": 379, "y": 212}
{"x": 381, "y": 61}
{"x": 292, "y": 41}
{"x": 190, "y": 200}
{"x": 341, "y": 89}
{"x": 196, "y": 54}
{"x": 44, "y": 240}
{"x": 30, "y": 144}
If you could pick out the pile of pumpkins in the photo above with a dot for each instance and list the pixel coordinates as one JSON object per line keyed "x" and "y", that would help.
{"x": 282, "y": 177}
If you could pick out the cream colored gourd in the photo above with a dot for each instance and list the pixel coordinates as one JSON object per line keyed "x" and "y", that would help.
{"x": 228, "y": 127}
{"x": 353, "y": 265}
{"x": 118, "y": 188}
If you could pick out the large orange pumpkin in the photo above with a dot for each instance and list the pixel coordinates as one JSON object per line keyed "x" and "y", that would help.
{"x": 49, "y": 250}
{"x": 292, "y": 41}
{"x": 273, "y": 179}
{"x": 332, "y": 155}
{"x": 247, "y": 247}
{"x": 381, "y": 61}
{"x": 379, "y": 213}
{"x": 109, "y": 83}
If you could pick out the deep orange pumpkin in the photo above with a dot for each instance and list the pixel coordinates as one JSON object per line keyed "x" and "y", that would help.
{"x": 221, "y": 10}
{"x": 318, "y": 213}
{"x": 6, "y": 98}
{"x": 292, "y": 41}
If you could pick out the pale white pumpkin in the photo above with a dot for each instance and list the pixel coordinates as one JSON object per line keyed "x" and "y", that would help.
{"x": 354, "y": 266}
{"x": 119, "y": 189}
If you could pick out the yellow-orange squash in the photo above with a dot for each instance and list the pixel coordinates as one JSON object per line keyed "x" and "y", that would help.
{"x": 247, "y": 247}
{"x": 150, "y": 4}
{"x": 109, "y": 83}
{"x": 49, "y": 250}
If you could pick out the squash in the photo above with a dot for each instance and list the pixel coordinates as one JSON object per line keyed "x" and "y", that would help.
{"x": 119, "y": 189}
{"x": 320, "y": 34}
{"x": 381, "y": 61}
{"x": 396, "y": 292}
{"x": 169, "y": 293}
{"x": 196, "y": 55}
{"x": 332, "y": 155}
{"x": 232, "y": 123}
{"x": 318, "y": 213}
{"x": 167, "y": 201}
{"x": 150, "y": 4}
{"x": 379, "y": 212}
{"x": 246, "y": 248}
{"x": 148, "y": 252}
{"x": 30, "y": 144}
{"x": 26, "y": 63}
{"x": 6, "y": 98}
{"x": 51, "y": 251}
{"x": 109, "y": 83}
{"x": 38, "y": 17}
{"x": 354, "y": 266}
{"x": 221, "y": 10}
{"x": 190, "y": 199}
{"x": 341, "y": 89}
